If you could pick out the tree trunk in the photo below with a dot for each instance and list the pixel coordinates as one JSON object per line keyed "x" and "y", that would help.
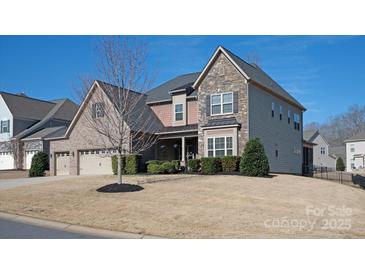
{"x": 120, "y": 168}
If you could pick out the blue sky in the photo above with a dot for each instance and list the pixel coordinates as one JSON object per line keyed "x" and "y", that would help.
{"x": 325, "y": 73}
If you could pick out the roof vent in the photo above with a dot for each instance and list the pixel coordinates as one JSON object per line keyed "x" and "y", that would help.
{"x": 21, "y": 94}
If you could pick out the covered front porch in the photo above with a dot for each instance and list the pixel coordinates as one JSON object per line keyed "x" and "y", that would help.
{"x": 181, "y": 146}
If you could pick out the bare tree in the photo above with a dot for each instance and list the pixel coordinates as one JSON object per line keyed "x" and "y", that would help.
{"x": 119, "y": 114}
{"x": 343, "y": 126}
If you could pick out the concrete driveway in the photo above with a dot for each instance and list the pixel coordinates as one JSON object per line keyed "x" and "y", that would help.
{"x": 11, "y": 183}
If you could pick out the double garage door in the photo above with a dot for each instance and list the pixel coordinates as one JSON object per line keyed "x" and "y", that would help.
{"x": 6, "y": 160}
{"x": 91, "y": 162}
{"x": 95, "y": 162}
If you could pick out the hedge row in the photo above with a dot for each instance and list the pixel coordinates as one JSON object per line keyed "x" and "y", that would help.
{"x": 209, "y": 165}
{"x": 163, "y": 167}
{"x": 253, "y": 162}
{"x": 130, "y": 164}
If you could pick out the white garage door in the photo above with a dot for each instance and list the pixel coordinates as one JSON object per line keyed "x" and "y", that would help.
{"x": 62, "y": 163}
{"x": 28, "y": 158}
{"x": 6, "y": 160}
{"x": 95, "y": 162}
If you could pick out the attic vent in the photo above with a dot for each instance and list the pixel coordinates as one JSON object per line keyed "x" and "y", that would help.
{"x": 21, "y": 94}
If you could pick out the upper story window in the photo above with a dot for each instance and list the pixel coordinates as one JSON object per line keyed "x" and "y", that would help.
{"x": 5, "y": 126}
{"x": 352, "y": 149}
{"x": 289, "y": 116}
{"x": 179, "y": 112}
{"x": 98, "y": 110}
{"x": 281, "y": 113}
{"x": 272, "y": 109}
{"x": 296, "y": 121}
{"x": 220, "y": 146}
{"x": 222, "y": 103}
{"x": 323, "y": 150}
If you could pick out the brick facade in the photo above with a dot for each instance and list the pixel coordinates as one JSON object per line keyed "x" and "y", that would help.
{"x": 223, "y": 77}
{"x": 82, "y": 137}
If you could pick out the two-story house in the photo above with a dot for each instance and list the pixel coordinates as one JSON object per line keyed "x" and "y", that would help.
{"x": 355, "y": 153}
{"x": 321, "y": 152}
{"x": 215, "y": 112}
{"x": 211, "y": 113}
{"x": 25, "y": 123}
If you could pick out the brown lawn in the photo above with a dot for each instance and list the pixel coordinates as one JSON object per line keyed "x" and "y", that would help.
{"x": 188, "y": 206}
{"x": 13, "y": 174}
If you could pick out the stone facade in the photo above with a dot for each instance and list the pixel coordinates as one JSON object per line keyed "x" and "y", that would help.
{"x": 223, "y": 77}
{"x": 33, "y": 145}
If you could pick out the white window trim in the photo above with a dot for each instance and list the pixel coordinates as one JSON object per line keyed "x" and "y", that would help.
{"x": 221, "y": 104}
{"x": 3, "y": 122}
{"x": 99, "y": 110}
{"x": 225, "y": 145}
{"x": 178, "y": 112}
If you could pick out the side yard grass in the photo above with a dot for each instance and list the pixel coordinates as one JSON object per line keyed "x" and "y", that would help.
{"x": 192, "y": 206}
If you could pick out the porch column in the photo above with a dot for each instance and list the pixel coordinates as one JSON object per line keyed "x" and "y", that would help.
{"x": 183, "y": 151}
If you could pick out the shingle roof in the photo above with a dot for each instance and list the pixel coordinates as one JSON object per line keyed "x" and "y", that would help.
{"x": 63, "y": 110}
{"x": 255, "y": 73}
{"x": 310, "y": 135}
{"x": 161, "y": 93}
{"x": 142, "y": 115}
{"x": 26, "y": 107}
{"x": 178, "y": 129}
{"x": 221, "y": 122}
{"x": 357, "y": 137}
{"x": 49, "y": 132}
{"x": 338, "y": 151}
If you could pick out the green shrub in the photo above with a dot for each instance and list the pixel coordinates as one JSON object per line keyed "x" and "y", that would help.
{"x": 254, "y": 161}
{"x": 132, "y": 164}
{"x": 230, "y": 164}
{"x": 39, "y": 164}
{"x": 154, "y": 168}
{"x": 158, "y": 162}
{"x": 340, "y": 165}
{"x": 210, "y": 165}
{"x": 176, "y": 164}
{"x": 115, "y": 164}
{"x": 193, "y": 165}
{"x": 168, "y": 167}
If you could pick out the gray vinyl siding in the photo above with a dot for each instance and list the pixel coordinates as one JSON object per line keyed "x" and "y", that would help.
{"x": 275, "y": 133}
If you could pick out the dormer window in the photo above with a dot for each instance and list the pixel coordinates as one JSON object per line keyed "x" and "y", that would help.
{"x": 179, "y": 112}
{"x": 222, "y": 103}
{"x": 5, "y": 126}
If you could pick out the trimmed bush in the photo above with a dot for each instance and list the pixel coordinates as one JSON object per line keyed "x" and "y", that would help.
{"x": 176, "y": 164}
{"x": 193, "y": 165}
{"x": 254, "y": 161}
{"x": 132, "y": 164}
{"x": 340, "y": 165}
{"x": 230, "y": 164}
{"x": 168, "y": 167}
{"x": 115, "y": 164}
{"x": 158, "y": 162}
{"x": 39, "y": 164}
{"x": 210, "y": 165}
{"x": 154, "y": 168}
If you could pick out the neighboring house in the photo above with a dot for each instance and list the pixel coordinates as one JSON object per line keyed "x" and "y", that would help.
{"x": 321, "y": 154}
{"x": 209, "y": 113}
{"x": 25, "y": 122}
{"x": 355, "y": 152}
{"x": 338, "y": 151}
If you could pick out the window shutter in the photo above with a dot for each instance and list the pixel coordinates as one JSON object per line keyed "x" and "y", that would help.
{"x": 235, "y": 102}
{"x": 93, "y": 114}
{"x": 207, "y": 105}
